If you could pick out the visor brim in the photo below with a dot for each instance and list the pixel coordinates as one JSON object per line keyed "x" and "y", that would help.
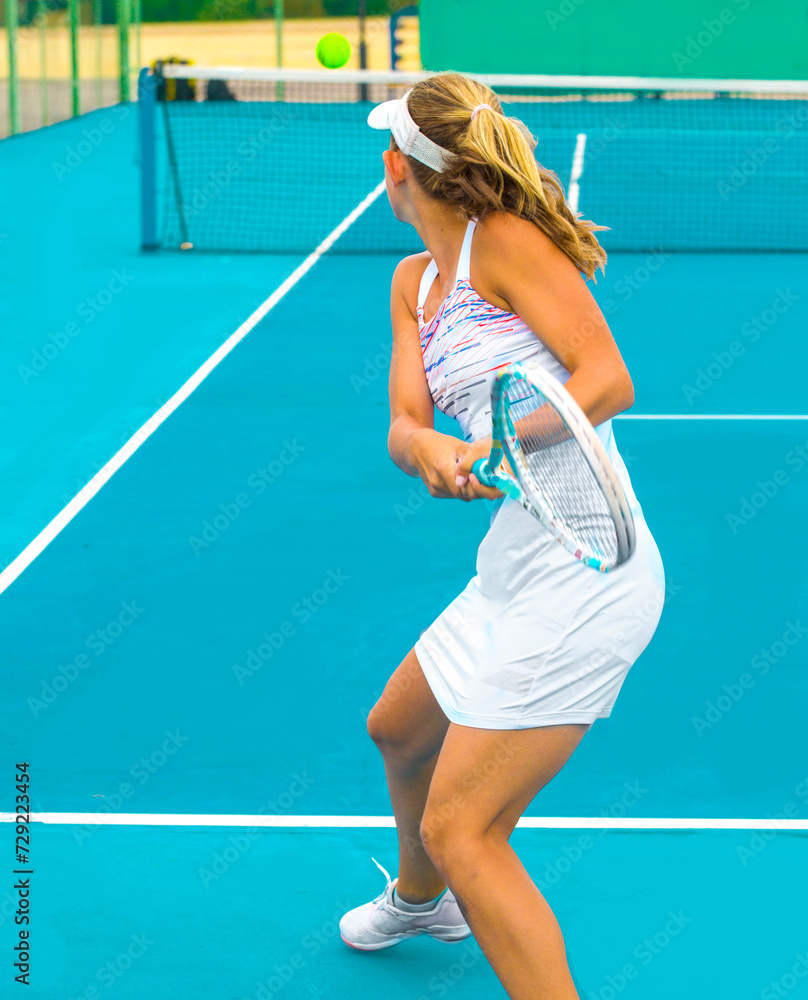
{"x": 381, "y": 116}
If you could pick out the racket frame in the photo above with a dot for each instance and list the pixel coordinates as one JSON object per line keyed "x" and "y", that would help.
{"x": 519, "y": 487}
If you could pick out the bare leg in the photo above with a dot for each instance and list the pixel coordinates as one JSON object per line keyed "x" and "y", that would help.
{"x": 409, "y": 727}
{"x": 483, "y": 782}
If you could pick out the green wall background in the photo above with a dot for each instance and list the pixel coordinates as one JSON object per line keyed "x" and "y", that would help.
{"x": 751, "y": 39}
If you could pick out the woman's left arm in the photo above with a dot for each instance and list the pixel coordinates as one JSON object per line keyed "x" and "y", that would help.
{"x": 520, "y": 269}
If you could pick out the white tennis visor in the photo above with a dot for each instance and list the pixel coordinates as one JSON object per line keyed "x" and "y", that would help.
{"x": 395, "y": 116}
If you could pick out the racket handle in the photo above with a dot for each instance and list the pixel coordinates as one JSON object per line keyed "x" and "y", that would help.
{"x": 482, "y": 470}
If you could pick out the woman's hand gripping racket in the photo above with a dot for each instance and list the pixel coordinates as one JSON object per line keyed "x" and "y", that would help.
{"x": 557, "y": 467}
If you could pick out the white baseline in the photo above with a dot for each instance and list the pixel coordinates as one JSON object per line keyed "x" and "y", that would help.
{"x": 334, "y": 822}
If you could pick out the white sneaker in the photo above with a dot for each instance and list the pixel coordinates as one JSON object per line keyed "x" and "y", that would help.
{"x": 381, "y": 924}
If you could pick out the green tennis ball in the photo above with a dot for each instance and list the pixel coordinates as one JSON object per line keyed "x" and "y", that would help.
{"x": 333, "y": 50}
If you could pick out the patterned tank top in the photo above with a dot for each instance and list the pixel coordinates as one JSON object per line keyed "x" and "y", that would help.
{"x": 468, "y": 340}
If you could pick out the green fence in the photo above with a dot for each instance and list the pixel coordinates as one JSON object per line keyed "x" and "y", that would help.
{"x": 60, "y": 58}
{"x": 746, "y": 39}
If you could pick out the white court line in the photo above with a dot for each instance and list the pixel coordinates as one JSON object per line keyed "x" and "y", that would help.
{"x": 83, "y": 497}
{"x": 336, "y": 822}
{"x": 711, "y": 416}
{"x": 577, "y": 170}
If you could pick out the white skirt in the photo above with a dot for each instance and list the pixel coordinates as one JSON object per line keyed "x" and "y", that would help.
{"x": 537, "y": 638}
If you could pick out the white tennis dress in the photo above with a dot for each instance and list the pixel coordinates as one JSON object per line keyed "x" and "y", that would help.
{"x": 536, "y": 638}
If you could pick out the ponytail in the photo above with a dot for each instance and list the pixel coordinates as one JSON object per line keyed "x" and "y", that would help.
{"x": 494, "y": 168}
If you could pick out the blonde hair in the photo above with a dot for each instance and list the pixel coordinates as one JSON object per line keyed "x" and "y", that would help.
{"x": 495, "y": 168}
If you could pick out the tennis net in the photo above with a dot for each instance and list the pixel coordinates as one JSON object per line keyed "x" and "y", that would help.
{"x": 272, "y": 160}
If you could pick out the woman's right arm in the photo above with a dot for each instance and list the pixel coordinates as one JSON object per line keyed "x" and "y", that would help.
{"x": 414, "y": 444}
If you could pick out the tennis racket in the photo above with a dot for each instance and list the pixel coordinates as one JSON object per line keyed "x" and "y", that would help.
{"x": 557, "y": 467}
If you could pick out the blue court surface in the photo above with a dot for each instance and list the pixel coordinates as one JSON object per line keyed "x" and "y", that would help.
{"x": 190, "y": 660}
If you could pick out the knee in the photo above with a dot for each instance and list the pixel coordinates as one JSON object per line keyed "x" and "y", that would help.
{"x": 381, "y": 728}
{"x": 452, "y": 847}
{"x": 395, "y": 739}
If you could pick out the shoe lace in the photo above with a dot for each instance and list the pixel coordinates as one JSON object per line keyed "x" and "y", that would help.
{"x": 377, "y": 902}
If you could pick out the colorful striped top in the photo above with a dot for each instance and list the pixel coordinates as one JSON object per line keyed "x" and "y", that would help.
{"x": 468, "y": 340}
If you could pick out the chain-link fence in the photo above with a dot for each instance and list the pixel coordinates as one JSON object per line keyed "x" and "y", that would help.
{"x": 60, "y": 58}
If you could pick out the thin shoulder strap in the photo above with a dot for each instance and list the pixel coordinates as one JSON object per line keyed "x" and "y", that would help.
{"x": 429, "y": 275}
{"x": 464, "y": 264}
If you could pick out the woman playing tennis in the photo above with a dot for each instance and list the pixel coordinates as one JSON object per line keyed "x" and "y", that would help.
{"x": 497, "y": 693}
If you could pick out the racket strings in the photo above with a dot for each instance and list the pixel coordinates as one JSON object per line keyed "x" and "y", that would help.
{"x": 560, "y": 474}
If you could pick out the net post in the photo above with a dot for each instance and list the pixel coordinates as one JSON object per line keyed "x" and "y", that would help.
{"x": 74, "y": 14}
{"x": 123, "y": 18}
{"x": 13, "y": 78}
{"x": 147, "y": 101}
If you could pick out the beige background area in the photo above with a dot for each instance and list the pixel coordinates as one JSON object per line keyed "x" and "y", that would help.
{"x": 222, "y": 43}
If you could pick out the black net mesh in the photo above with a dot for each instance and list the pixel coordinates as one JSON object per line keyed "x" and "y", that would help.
{"x": 275, "y": 166}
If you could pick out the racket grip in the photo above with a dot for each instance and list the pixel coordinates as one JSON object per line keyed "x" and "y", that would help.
{"x": 482, "y": 470}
